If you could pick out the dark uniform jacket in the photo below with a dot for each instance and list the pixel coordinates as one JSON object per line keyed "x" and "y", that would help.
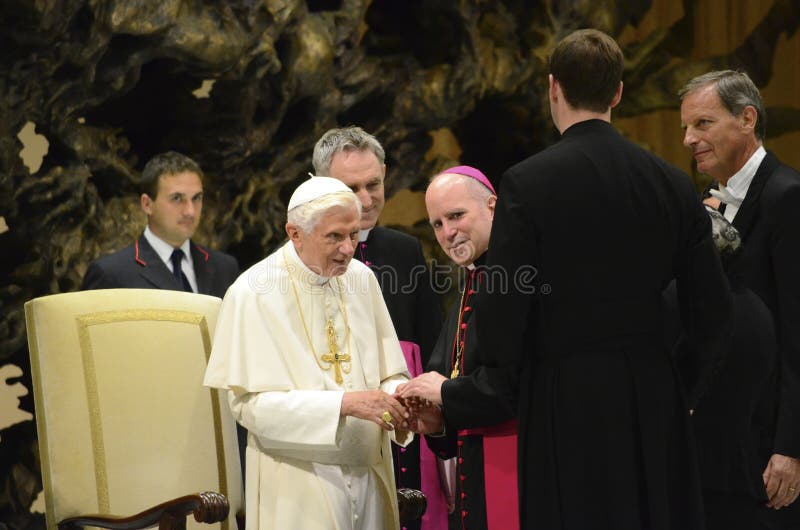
{"x": 138, "y": 267}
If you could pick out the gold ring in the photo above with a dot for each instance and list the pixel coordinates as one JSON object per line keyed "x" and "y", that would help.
{"x": 387, "y": 417}
{"x": 792, "y": 489}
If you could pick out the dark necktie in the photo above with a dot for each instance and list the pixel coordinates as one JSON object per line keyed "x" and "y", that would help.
{"x": 176, "y": 258}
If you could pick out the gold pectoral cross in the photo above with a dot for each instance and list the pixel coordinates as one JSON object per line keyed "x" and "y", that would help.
{"x": 334, "y": 356}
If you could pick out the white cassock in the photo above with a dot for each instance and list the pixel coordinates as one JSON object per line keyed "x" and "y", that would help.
{"x": 306, "y": 466}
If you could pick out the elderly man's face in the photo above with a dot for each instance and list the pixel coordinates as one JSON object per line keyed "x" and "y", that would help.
{"x": 721, "y": 143}
{"x": 363, "y": 173}
{"x": 461, "y": 219}
{"x": 329, "y": 247}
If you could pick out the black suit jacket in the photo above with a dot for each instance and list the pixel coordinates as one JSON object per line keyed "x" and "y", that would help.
{"x": 138, "y": 266}
{"x": 725, "y": 406}
{"x": 589, "y": 232}
{"x": 769, "y": 224}
{"x": 399, "y": 264}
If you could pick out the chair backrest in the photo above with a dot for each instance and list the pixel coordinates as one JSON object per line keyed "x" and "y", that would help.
{"x": 123, "y": 419}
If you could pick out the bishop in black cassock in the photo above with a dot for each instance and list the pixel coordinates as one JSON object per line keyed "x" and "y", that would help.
{"x": 480, "y": 431}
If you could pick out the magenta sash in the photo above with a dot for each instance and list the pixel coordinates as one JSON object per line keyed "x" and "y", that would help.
{"x": 500, "y": 474}
{"x": 435, "y": 517}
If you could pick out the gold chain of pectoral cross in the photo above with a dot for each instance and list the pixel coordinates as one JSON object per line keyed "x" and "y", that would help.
{"x": 334, "y": 357}
{"x": 458, "y": 341}
{"x": 457, "y": 353}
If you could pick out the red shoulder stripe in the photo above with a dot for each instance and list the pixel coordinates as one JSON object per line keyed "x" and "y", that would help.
{"x": 203, "y": 251}
{"x": 139, "y": 260}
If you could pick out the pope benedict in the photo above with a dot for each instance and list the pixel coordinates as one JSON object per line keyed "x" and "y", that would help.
{"x": 308, "y": 354}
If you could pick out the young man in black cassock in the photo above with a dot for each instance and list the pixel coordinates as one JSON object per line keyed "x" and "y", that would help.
{"x": 604, "y": 438}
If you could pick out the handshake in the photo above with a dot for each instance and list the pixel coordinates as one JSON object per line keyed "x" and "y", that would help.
{"x": 415, "y": 405}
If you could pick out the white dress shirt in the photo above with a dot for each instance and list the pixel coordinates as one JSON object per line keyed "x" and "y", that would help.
{"x": 164, "y": 251}
{"x": 733, "y": 194}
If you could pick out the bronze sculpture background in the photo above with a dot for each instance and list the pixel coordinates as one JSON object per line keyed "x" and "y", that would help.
{"x": 110, "y": 83}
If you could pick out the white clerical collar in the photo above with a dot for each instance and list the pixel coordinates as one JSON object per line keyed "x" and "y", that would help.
{"x": 739, "y": 183}
{"x": 305, "y": 273}
{"x": 480, "y": 259}
{"x": 164, "y": 249}
{"x": 364, "y": 234}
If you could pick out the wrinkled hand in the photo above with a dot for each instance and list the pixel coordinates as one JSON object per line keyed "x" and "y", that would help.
{"x": 782, "y": 480}
{"x": 426, "y": 417}
{"x": 427, "y": 386}
{"x": 371, "y": 404}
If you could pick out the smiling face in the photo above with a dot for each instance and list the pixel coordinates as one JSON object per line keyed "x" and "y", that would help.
{"x": 461, "y": 216}
{"x": 174, "y": 214}
{"x": 364, "y": 174}
{"x": 329, "y": 247}
{"x": 721, "y": 143}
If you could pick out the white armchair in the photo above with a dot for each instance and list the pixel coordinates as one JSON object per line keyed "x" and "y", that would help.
{"x": 125, "y": 425}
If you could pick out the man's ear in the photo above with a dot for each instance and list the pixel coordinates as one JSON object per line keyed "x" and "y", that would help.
{"x": 293, "y": 231}
{"x": 491, "y": 202}
{"x": 748, "y": 118}
{"x": 617, "y": 96}
{"x": 146, "y": 203}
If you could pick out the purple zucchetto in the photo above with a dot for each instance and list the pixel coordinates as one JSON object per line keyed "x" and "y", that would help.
{"x": 469, "y": 171}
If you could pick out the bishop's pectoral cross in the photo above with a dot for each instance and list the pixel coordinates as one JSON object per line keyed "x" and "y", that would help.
{"x": 334, "y": 356}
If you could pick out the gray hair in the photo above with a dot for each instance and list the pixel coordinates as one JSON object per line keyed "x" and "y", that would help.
{"x": 307, "y": 215}
{"x": 349, "y": 138}
{"x": 736, "y": 91}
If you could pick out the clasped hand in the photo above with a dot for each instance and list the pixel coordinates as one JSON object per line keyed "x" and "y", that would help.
{"x": 407, "y": 413}
{"x": 423, "y": 397}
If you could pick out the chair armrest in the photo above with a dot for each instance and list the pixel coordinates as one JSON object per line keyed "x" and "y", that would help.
{"x": 412, "y": 504}
{"x": 208, "y": 507}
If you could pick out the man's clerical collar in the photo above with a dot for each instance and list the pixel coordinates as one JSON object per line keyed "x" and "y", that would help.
{"x": 478, "y": 262}
{"x": 363, "y": 235}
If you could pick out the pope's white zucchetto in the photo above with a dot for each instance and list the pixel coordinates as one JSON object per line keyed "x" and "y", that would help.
{"x": 314, "y": 188}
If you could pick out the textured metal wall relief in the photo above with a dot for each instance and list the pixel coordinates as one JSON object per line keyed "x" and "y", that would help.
{"x": 246, "y": 87}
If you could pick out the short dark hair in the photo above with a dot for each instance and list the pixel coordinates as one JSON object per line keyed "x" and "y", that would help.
{"x": 169, "y": 163}
{"x": 736, "y": 91}
{"x": 588, "y": 66}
